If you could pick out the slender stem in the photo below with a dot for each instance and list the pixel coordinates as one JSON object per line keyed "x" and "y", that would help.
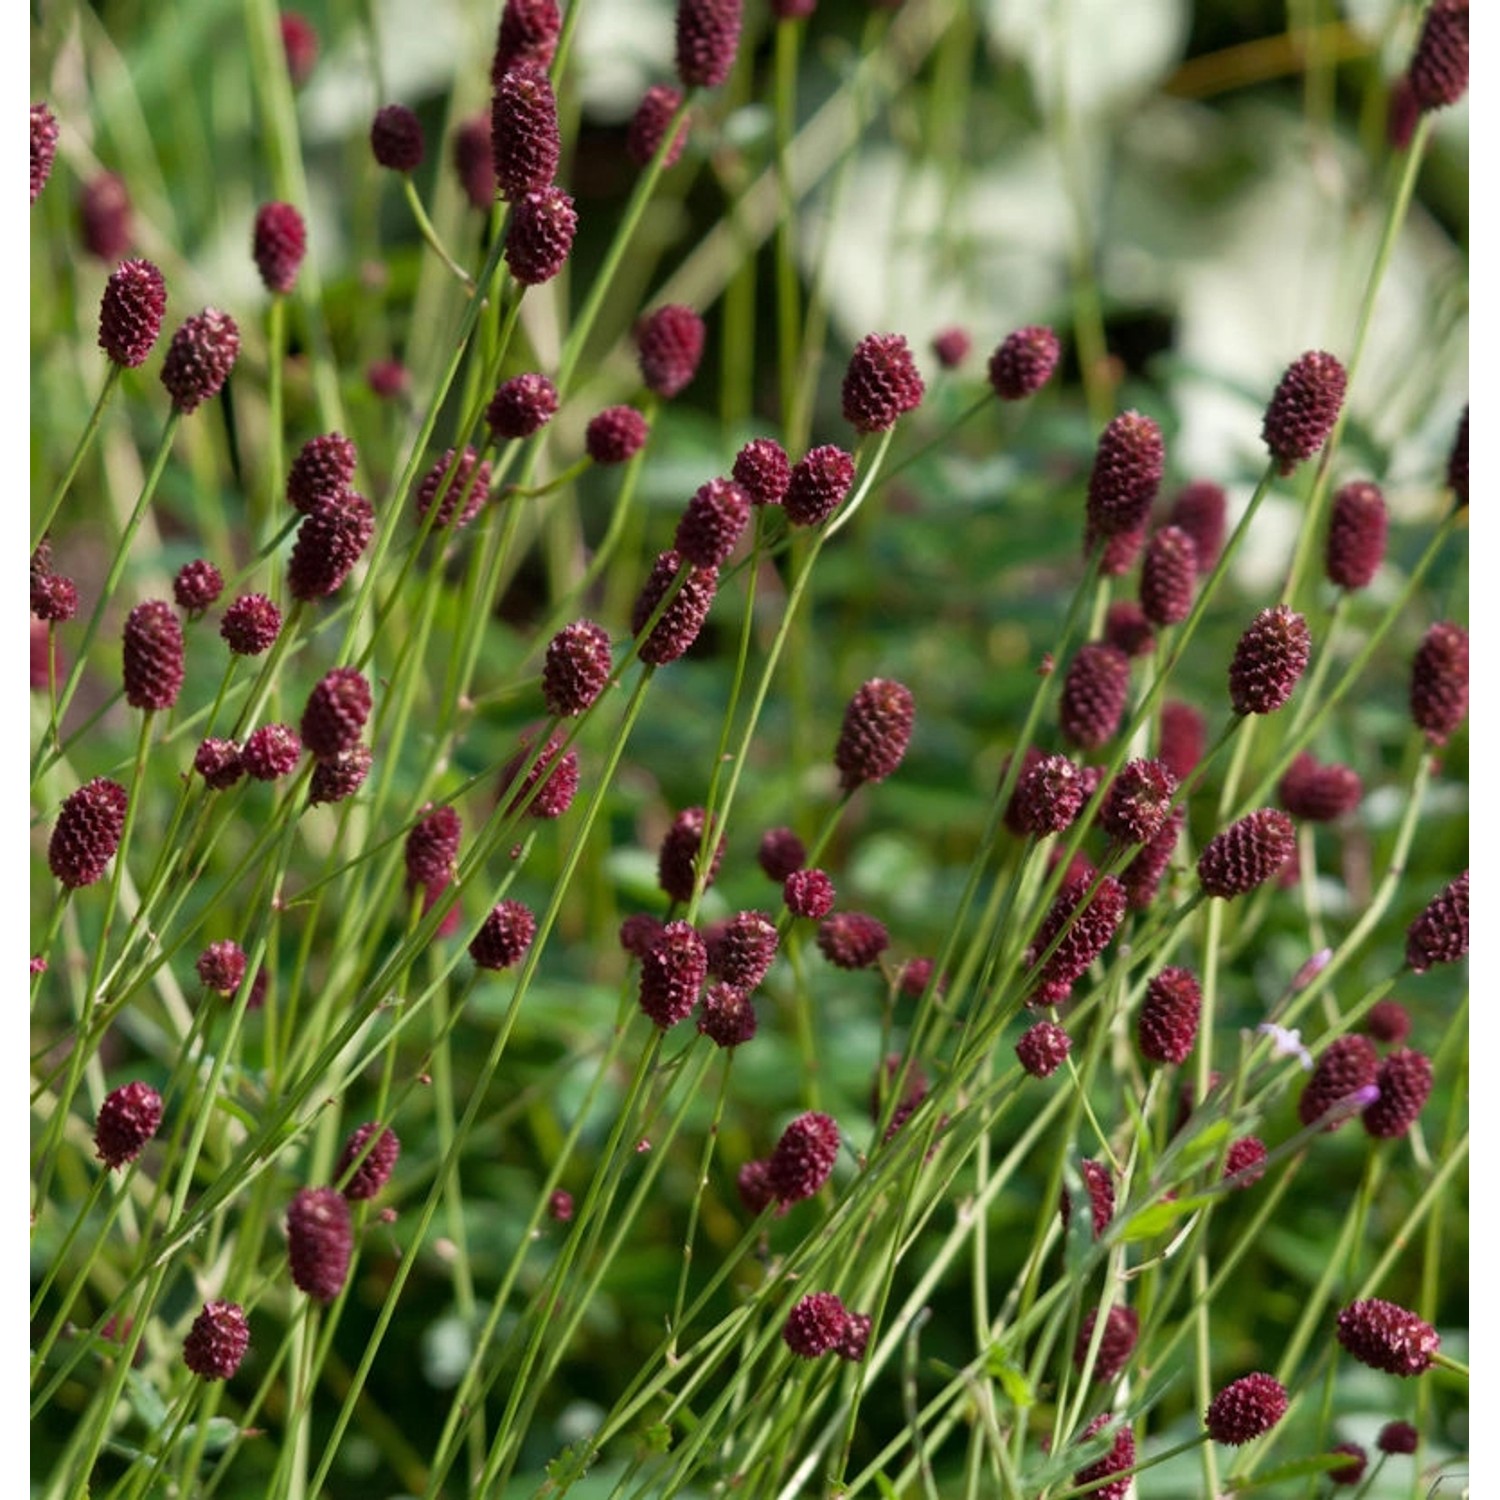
{"x": 85, "y": 442}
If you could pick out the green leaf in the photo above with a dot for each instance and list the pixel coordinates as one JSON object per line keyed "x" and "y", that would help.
{"x": 1157, "y": 1218}
{"x": 146, "y": 1401}
{"x": 1296, "y": 1469}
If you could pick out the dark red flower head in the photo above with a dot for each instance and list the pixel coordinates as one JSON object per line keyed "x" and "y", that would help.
{"x": 1142, "y": 877}
{"x": 1169, "y": 571}
{"x": 529, "y": 30}
{"x": 817, "y": 485}
{"x": 1093, "y": 695}
{"x": 677, "y": 861}
{"x": 1404, "y": 1079}
{"x": 334, "y": 780}
{"x": 464, "y": 487}
{"x": 639, "y": 933}
{"x": 648, "y": 127}
{"x": 1440, "y": 933}
{"x": 320, "y": 1242}
{"x": 1304, "y": 409}
{"x": 1128, "y": 628}
{"x": 330, "y": 540}
{"x": 523, "y": 405}
{"x": 808, "y": 893}
{"x": 1458, "y": 461}
{"x": 197, "y": 585}
{"x": 1183, "y": 734}
{"x": 432, "y": 848}
{"x": 1121, "y": 1456}
{"x": 742, "y": 950}
{"x": 560, "y": 1206}
{"x": 250, "y": 625}
{"x": 152, "y": 656}
{"x": 881, "y": 383}
{"x": 1440, "y": 681}
{"x": 618, "y": 433}
{"x": 1319, "y": 794}
{"x": 199, "y": 359}
{"x": 336, "y": 713}
{"x": 1353, "y": 1471}
{"x": 279, "y": 244}
{"x": 672, "y": 973}
{"x": 752, "y": 1181}
{"x": 1116, "y": 1344}
{"x": 474, "y": 161}
{"x": 876, "y": 731}
{"x": 669, "y": 342}
{"x": 712, "y": 523}
{"x": 816, "y": 1325}
{"x": 53, "y": 599}
{"x": 1245, "y": 1156}
{"x": 524, "y": 140}
{"x": 951, "y": 346}
{"x": 1397, "y": 1437}
{"x": 552, "y": 771}
{"x": 221, "y": 967}
{"x": 1269, "y": 661}
{"x": 852, "y": 940}
{"x": 396, "y": 138}
{"x": 104, "y": 217}
{"x": 727, "y": 1016}
{"x": 323, "y": 469}
{"x": 542, "y": 226}
{"x": 1439, "y": 71}
{"x": 375, "y": 1164}
{"x": 1247, "y": 853}
{"x": 708, "y": 35}
{"x": 1388, "y": 1021}
{"x": 1356, "y": 535}
{"x": 218, "y": 763}
{"x": 300, "y": 43}
{"x": 1347, "y": 1066}
{"x": 1023, "y": 363}
{"x": 1126, "y": 475}
{"x": 1168, "y": 1023}
{"x": 131, "y": 312}
{"x": 1139, "y": 801}
{"x": 217, "y": 1342}
{"x": 1199, "y": 510}
{"x": 1100, "y": 1187}
{"x": 271, "y": 752}
{"x": 1245, "y": 1409}
{"x": 576, "y": 669}
{"x": 1049, "y": 795}
{"x": 1083, "y": 937}
{"x": 804, "y": 1157}
{"x": 505, "y": 937}
{"x": 1387, "y": 1337}
{"x": 388, "y": 378}
{"x": 1120, "y": 551}
{"x": 128, "y": 1118}
{"x": 43, "y": 146}
{"x": 683, "y": 618}
{"x": 1043, "y": 1049}
{"x": 781, "y": 852}
{"x": 763, "y": 471}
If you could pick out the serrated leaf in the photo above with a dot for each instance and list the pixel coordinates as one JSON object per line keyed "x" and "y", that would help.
{"x": 1204, "y": 1144}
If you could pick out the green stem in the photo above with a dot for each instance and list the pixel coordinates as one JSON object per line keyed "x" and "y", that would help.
{"x": 85, "y": 442}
